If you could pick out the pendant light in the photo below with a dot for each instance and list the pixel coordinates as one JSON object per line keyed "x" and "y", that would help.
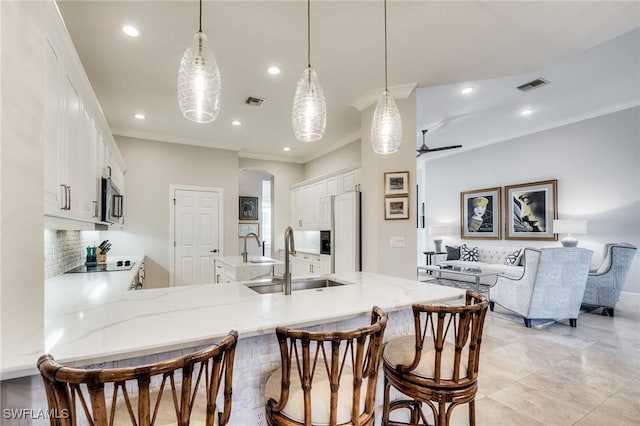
{"x": 199, "y": 87}
{"x": 386, "y": 127}
{"x": 309, "y": 115}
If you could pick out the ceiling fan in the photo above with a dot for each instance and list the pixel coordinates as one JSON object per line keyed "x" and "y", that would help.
{"x": 424, "y": 148}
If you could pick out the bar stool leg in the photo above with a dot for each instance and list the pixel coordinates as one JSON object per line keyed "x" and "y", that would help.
{"x": 385, "y": 403}
{"x": 472, "y": 412}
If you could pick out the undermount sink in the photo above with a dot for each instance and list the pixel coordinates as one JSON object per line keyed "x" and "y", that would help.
{"x": 299, "y": 284}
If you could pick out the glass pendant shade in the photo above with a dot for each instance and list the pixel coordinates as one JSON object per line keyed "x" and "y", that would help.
{"x": 309, "y": 115}
{"x": 199, "y": 86}
{"x": 386, "y": 127}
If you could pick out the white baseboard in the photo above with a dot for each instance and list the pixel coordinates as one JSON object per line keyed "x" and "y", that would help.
{"x": 630, "y": 297}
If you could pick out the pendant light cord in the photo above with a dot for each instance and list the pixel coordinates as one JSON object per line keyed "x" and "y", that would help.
{"x": 200, "y": 27}
{"x": 385, "y": 45}
{"x": 309, "y": 33}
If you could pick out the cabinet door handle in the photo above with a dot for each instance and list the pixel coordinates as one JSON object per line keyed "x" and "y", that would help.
{"x": 213, "y": 251}
{"x": 69, "y": 197}
{"x": 63, "y": 196}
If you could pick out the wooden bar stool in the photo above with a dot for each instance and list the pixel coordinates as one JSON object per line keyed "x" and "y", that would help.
{"x": 439, "y": 364}
{"x": 153, "y": 394}
{"x": 326, "y": 378}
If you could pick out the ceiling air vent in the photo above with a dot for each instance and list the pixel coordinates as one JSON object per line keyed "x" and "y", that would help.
{"x": 254, "y": 101}
{"x": 533, "y": 84}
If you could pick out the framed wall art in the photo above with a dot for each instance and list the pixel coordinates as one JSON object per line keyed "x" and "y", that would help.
{"x": 396, "y": 183}
{"x": 247, "y": 228}
{"x": 480, "y": 214}
{"x": 248, "y": 208}
{"x": 530, "y": 209}
{"x": 396, "y": 208}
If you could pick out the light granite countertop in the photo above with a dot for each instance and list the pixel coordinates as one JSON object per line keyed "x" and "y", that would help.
{"x": 92, "y": 318}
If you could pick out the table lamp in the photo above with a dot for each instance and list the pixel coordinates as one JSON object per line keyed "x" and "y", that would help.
{"x": 568, "y": 226}
{"x": 437, "y": 231}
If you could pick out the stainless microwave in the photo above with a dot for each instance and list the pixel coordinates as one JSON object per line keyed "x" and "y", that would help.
{"x": 112, "y": 202}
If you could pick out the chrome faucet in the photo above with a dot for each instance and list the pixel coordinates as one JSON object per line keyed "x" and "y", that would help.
{"x": 289, "y": 248}
{"x": 246, "y": 237}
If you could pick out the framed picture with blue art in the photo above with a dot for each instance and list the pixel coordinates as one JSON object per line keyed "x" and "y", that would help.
{"x": 530, "y": 209}
{"x": 480, "y": 214}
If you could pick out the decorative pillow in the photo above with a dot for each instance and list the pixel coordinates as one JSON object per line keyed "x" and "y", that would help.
{"x": 513, "y": 258}
{"x": 469, "y": 254}
{"x": 453, "y": 253}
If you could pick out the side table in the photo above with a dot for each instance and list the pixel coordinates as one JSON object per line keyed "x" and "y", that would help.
{"x": 430, "y": 256}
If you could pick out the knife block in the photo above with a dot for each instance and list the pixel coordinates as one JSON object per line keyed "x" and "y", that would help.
{"x": 102, "y": 258}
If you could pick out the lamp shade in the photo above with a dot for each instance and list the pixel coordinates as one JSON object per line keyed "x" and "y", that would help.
{"x": 386, "y": 127}
{"x": 438, "y": 230}
{"x": 568, "y": 226}
{"x": 309, "y": 115}
{"x": 199, "y": 87}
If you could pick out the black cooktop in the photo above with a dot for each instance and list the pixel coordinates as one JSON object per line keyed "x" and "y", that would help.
{"x": 121, "y": 265}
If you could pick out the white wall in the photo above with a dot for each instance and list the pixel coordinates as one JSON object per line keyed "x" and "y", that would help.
{"x": 341, "y": 158}
{"x": 151, "y": 167}
{"x": 250, "y": 185}
{"x": 22, "y": 135}
{"x": 596, "y": 163}
{"x": 377, "y": 254}
{"x": 284, "y": 175}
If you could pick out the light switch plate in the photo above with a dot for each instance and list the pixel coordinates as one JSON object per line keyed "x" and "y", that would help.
{"x": 397, "y": 242}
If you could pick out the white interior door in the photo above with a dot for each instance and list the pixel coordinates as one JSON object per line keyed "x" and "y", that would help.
{"x": 197, "y": 235}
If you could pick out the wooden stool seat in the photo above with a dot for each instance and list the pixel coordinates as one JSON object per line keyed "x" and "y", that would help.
{"x": 157, "y": 394}
{"x": 438, "y": 365}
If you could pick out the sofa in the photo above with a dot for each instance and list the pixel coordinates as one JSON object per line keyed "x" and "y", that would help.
{"x": 552, "y": 286}
{"x": 490, "y": 258}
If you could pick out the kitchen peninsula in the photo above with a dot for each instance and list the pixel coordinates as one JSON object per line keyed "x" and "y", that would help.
{"x": 112, "y": 327}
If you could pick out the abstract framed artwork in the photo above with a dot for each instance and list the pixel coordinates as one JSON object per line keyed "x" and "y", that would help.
{"x": 396, "y": 208}
{"x": 248, "y": 208}
{"x": 480, "y": 214}
{"x": 530, "y": 209}
{"x": 396, "y": 183}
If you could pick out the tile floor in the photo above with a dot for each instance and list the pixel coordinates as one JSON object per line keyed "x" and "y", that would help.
{"x": 558, "y": 375}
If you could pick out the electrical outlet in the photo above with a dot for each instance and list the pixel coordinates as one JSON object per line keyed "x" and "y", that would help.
{"x": 260, "y": 419}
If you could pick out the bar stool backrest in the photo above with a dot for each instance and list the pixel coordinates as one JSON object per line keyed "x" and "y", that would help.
{"x": 452, "y": 336}
{"x": 335, "y": 371}
{"x": 152, "y": 394}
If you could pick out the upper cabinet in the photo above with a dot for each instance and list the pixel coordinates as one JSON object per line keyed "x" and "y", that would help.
{"x": 79, "y": 147}
{"x": 307, "y": 200}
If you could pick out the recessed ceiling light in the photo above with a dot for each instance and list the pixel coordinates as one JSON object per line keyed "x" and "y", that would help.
{"x": 467, "y": 90}
{"x": 139, "y": 116}
{"x": 526, "y": 112}
{"x": 273, "y": 70}
{"x": 130, "y": 30}
{"x": 286, "y": 148}
{"x": 236, "y": 122}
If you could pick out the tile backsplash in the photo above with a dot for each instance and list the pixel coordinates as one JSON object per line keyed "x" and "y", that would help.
{"x": 64, "y": 250}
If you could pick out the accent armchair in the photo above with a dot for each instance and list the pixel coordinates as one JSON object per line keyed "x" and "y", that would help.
{"x": 605, "y": 283}
{"x": 551, "y": 287}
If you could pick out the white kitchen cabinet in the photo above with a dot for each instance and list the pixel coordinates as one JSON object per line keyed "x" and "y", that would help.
{"x": 350, "y": 180}
{"x": 326, "y": 210}
{"x": 304, "y": 264}
{"x": 325, "y": 264}
{"x": 77, "y": 136}
{"x": 306, "y": 205}
{"x": 334, "y": 185}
